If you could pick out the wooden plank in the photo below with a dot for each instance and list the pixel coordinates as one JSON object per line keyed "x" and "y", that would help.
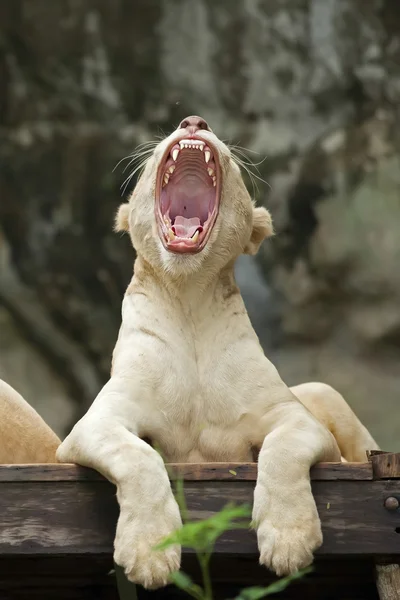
{"x": 190, "y": 472}
{"x": 386, "y": 465}
{"x": 354, "y": 519}
{"x": 55, "y": 518}
{"x": 341, "y": 471}
{"x": 248, "y": 471}
{"x": 370, "y": 453}
{"x": 48, "y": 472}
{"x": 79, "y": 517}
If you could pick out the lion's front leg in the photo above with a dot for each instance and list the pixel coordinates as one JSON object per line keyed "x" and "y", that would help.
{"x": 107, "y": 439}
{"x": 284, "y": 513}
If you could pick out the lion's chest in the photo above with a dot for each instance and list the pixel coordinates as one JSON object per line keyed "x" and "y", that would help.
{"x": 204, "y": 409}
{"x": 206, "y": 387}
{"x": 202, "y": 442}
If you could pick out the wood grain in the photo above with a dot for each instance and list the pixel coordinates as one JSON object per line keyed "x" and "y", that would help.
{"x": 385, "y": 465}
{"x": 79, "y": 517}
{"x": 248, "y": 471}
{"x": 190, "y": 472}
{"x": 57, "y": 525}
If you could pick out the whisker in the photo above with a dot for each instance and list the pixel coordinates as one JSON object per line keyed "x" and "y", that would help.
{"x": 139, "y": 168}
{"x": 251, "y": 164}
{"x": 138, "y": 157}
{"x": 140, "y": 150}
{"x": 163, "y": 136}
{"x": 240, "y": 156}
{"x": 120, "y": 161}
{"x": 237, "y": 150}
{"x": 247, "y": 167}
{"x": 236, "y": 146}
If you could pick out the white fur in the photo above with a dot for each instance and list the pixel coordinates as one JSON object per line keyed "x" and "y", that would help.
{"x": 188, "y": 372}
{"x": 24, "y": 436}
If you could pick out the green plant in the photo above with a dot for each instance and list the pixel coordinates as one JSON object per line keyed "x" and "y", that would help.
{"x": 201, "y": 537}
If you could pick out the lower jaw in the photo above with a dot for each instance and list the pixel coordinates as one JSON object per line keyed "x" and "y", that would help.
{"x": 182, "y": 246}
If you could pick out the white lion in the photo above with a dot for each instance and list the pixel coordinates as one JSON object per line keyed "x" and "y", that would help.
{"x": 24, "y": 436}
{"x": 189, "y": 374}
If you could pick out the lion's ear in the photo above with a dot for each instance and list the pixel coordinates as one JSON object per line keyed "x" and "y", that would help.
{"x": 121, "y": 222}
{"x": 262, "y": 228}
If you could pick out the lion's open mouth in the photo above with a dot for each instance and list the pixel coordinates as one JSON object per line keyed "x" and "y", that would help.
{"x": 187, "y": 195}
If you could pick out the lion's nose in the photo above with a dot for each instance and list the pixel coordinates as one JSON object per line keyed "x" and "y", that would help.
{"x": 193, "y": 124}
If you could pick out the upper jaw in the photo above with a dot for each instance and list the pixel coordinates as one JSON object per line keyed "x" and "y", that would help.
{"x": 170, "y": 232}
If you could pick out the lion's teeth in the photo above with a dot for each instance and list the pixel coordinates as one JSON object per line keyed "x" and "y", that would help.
{"x": 210, "y": 171}
{"x": 171, "y": 234}
{"x": 195, "y": 236}
{"x": 175, "y": 153}
{"x": 192, "y": 144}
{"x": 207, "y": 156}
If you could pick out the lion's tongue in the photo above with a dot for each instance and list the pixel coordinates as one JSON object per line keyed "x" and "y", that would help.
{"x": 186, "y": 228}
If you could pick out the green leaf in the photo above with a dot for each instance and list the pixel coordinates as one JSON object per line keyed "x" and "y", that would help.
{"x": 232, "y": 472}
{"x": 255, "y": 593}
{"x": 202, "y": 535}
{"x": 183, "y": 582}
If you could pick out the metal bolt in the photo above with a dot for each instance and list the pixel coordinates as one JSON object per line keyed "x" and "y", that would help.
{"x": 391, "y": 503}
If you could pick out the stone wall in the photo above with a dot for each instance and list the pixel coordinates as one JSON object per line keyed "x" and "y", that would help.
{"x": 312, "y": 86}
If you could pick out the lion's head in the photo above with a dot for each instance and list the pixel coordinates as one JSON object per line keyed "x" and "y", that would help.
{"x": 190, "y": 205}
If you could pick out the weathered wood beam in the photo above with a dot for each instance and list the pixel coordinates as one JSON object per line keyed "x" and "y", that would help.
{"x": 386, "y": 465}
{"x": 70, "y": 510}
{"x": 188, "y": 471}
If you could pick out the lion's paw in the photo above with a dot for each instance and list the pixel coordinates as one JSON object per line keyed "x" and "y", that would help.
{"x": 285, "y": 550}
{"x": 147, "y": 567}
{"x": 134, "y": 549}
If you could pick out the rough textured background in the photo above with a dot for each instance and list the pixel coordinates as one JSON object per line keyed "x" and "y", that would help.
{"x": 313, "y": 85}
